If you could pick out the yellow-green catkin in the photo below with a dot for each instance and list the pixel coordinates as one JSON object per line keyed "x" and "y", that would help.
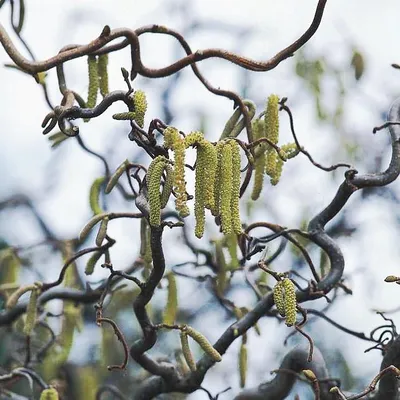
{"x": 231, "y": 244}
{"x": 140, "y": 104}
{"x": 309, "y": 374}
{"x": 31, "y": 312}
{"x": 102, "y": 71}
{"x": 235, "y": 191}
{"x": 226, "y": 189}
{"x": 71, "y": 277}
{"x": 277, "y": 172}
{"x": 49, "y": 394}
{"x": 210, "y": 174}
{"x": 66, "y": 337}
{"x": 270, "y": 162}
{"x": 115, "y": 177}
{"x": 392, "y": 278}
{"x": 57, "y": 138}
{"x": 290, "y": 150}
{"x": 171, "y": 309}
{"x": 195, "y": 138}
{"x": 274, "y": 164}
{"x": 95, "y": 257}
{"x": 94, "y": 196}
{"x": 168, "y": 186}
{"x": 101, "y": 234}
{"x": 199, "y": 195}
{"x": 10, "y": 265}
{"x": 218, "y": 177}
{"x": 187, "y": 353}
{"x": 93, "y": 82}
{"x": 153, "y": 179}
{"x": 175, "y": 142}
{"x": 357, "y": 62}
{"x": 259, "y": 162}
{"x": 271, "y": 119}
{"x": 290, "y": 301}
{"x": 90, "y": 225}
{"x": 233, "y": 127}
{"x": 243, "y": 364}
{"x": 279, "y": 298}
{"x": 206, "y": 165}
{"x": 88, "y": 383}
{"x": 203, "y": 343}
{"x": 124, "y": 116}
{"x": 14, "y": 297}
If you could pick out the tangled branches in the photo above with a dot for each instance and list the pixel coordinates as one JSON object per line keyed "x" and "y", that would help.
{"x": 223, "y": 170}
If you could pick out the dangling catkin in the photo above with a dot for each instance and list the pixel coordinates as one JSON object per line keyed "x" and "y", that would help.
{"x": 235, "y": 191}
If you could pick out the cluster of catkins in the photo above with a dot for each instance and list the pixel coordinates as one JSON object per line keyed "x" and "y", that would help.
{"x": 266, "y": 158}
{"x": 285, "y": 300}
{"x": 98, "y": 78}
{"x": 217, "y": 180}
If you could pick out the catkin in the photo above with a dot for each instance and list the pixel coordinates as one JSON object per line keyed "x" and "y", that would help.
{"x": 259, "y": 162}
{"x": 199, "y": 195}
{"x": 218, "y": 177}
{"x": 13, "y": 299}
{"x": 243, "y": 364}
{"x": 101, "y": 234}
{"x": 94, "y": 196}
{"x": 203, "y": 343}
{"x": 271, "y": 119}
{"x": 290, "y": 149}
{"x": 173, "y": 140}
{"x": 49, "y": 394}
{"x": 309, "y": 374}
{"x": 168, "y": 186}
{"x": 277, "y": 171}
{"x": 92, "y": 262}
{"x": 259, "y": 165}
{"x": 290, "y": 301}
{"x": 357, "y": 62}
{"x": 233, "y": 127}
{"x": 10, "y": 265}
{"x": 140, "y": 103}
{"x": 279, "y": 298}
{"x": 31, "y": 312}
{"x": 153, "y": 179}
{"x": 187, "y": 352}
{"x": 231, "y": 244}
{"x": 89, "y": 226}
{"x": 56, "y": 139}
{"x": 115, "y": 177}
{"x": 124, "y": 116}
{"x": 235, "y": 191}
{"x": 226, "y": 189}
{"x": 102, "y": 71}
{"x": 206, "y": 165}
{"x": 273, "y": 166}
{"x": 193, "y": 139}
{"x": 392, "y": 278}
{"x": 210, "y": 175}
{"x": 93, "y": 83}
{"x": 172, "y": 301}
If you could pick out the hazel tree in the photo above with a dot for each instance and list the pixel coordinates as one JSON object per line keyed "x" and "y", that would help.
{"x": 222, "y": 244}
